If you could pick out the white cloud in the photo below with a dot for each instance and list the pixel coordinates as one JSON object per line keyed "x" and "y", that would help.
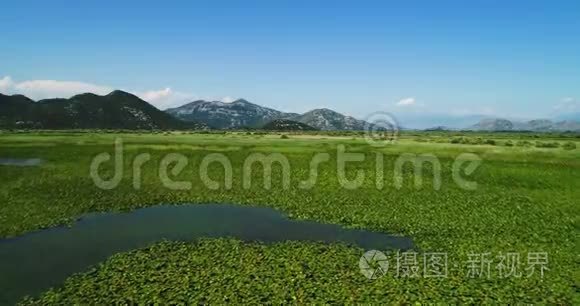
{"x": 166, "y": 98}
{"x": 43, "y": 89}
{"x": 407, "y": 102}
{"x": 568, "y": 104}
{"x": 155, "y": 95}
{"x": 567, "y": 99}
{"x": 228, "y": 99}
{"x": 6, "y": 83}
{"x": 40, "y": 89}
{"x": 487, "y": 111}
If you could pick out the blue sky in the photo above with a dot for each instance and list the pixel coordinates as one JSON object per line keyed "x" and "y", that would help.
{"x": 502, "y": 58}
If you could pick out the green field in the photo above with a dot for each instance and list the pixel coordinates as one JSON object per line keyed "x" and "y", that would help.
{"x": 526, "y": 201}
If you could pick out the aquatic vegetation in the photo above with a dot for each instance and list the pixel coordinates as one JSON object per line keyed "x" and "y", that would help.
{"x": 525, "y": 201}
{"x": 569, "y": 145}
{"x": 553, "y": 144}
{"x": 94, "y": 238}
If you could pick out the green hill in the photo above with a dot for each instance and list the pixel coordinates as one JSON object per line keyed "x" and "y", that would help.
{"x": 117, "y": 110}
{"x": 287, "y": 125}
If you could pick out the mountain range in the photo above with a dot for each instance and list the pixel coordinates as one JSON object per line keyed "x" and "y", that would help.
{"x": 287, "y": 125}
{"x": 117, "y": 110}
{"x": 536, "y": 125}
{"x": 242, "y": 113}
{"x": 122, "y": 110}
{"x": 221, "y": 115}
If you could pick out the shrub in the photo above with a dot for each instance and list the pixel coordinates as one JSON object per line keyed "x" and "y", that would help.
{"x": 489, "y": 142}
{"x": 540, "y": 144}
{"x": 523, "y": 143}
{"x": 509, "y": 143}
{"x": 570, "y": 145}
{"x": 284, "y": 137}
{"x": 455, "y": 140}
{"x": 476, "y": 141}
{"x": 465, "y": 140}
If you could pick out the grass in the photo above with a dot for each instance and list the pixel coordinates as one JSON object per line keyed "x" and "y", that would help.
{"x": 526, "y": 201}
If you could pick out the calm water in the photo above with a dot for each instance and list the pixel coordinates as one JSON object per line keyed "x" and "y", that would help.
{"x": 20, "y": 161}
{"x": 34, "y": 262}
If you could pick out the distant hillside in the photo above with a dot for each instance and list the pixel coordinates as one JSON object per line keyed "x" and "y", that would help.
{"x": 439, "y": 128}
{"x": 493, "y": 125}
{"x": 221, "y": 115}
{"x": 326, "y": 119}
{"x": 287, "y": 125}
{"x": 117, "y": 110}
{"x": 16, "y": 108}
{"x": 534, "y": 125}
{"x": 242, "y": 113}
{"x": 567, "y": 125}
{"x": 537, "y": 125}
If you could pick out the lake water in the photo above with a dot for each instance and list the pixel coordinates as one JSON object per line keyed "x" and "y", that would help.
{"x": 34, "y": 262}
{"x": 20, "y": 161}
